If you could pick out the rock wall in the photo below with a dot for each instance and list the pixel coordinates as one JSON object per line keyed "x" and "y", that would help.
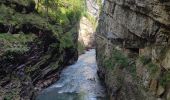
{"x": 93, "y": 8}
{"x": 33, "y": 50}
{"x": 86, "y": 33}
{"x": 133, "y": 49}
{"x": 88, "y": 25}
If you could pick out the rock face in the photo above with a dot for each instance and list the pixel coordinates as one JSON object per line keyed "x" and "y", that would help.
{"x": 133, "y": 49}
{"x": 88, "y": 25}
{"x": 86, "y": 33}
{"x": 32, "y": 50}
{"x": 93, "y": 7}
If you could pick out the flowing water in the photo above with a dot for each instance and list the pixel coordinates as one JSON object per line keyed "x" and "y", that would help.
{"x": 77, "y": 82}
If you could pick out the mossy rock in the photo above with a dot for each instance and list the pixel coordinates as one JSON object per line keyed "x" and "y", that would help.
{"x": 16, "y": 42}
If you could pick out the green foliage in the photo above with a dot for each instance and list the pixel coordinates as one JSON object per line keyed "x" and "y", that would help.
{"x": 16, "y": 42}
{"x": 152, "y": 68}
{"x": 116, "y": 59}
{"x": 8, "y": 16}
{"x": 165, "y": 79}
{"x": 66, "y": 41}
{"x": 145, "y": 59}
{"x": 65, "y": 12}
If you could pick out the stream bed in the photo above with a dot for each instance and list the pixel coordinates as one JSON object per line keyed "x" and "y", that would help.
{"x": 77, "y": 82}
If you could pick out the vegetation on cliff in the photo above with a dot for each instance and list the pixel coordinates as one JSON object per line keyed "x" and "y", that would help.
{"x": 140, "y": 31}
{"x": 37, "y": 39}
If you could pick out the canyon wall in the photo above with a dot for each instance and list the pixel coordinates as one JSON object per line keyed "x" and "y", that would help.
{"x": 88, "y": 25}
{"x": 86, "y": 33}
{"x": 132, "y": 44}
{"x": 33, "y": 50}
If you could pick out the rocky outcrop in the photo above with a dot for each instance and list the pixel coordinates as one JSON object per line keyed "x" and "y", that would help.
{"x": 86, "y": 33}
{"x": 133, "y": 49}
{"x": 88, "y": 25}
{"x": 33, "y": 51}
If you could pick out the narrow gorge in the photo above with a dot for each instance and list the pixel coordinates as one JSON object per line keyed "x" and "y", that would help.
{"x": 84, "y": 50}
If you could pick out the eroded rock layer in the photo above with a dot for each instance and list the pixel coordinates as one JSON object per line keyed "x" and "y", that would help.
{"x": 32, "y": 50}
{"x": 133, "y": 49}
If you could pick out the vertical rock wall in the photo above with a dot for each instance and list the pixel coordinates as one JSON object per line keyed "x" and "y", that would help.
{"x": 133, "y": 49}
{"x": 86, "y": 33}
{"x": 88, "y": 24}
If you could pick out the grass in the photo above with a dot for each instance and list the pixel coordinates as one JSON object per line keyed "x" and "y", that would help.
{"x": 8, "y": 16}
{"x": 65, "y": 12}
{"x": 117, "y": 58}
{"x": 67, "y": 40}
{"x": 16, "y": 42}
{"x": 145, "y": 59}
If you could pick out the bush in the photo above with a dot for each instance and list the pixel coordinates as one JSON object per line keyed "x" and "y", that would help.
{"x": 65, "y": 12}
{"x": 153, "y": 68}
{"x": 117, "y": 58}
{"x": 15, "y": 42}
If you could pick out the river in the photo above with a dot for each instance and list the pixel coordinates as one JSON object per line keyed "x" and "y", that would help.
{"x": 77, "y": 82}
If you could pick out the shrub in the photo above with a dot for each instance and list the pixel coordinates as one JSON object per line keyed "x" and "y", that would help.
{"x": 65, "y": 12}
{"x": 153, "y": 68}
{"x": 15, "y": 42}
{"x": 117, "y": 58}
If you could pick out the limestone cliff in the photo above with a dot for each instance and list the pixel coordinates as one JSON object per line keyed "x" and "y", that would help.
{"x": 133, "y": 49}
{"x": 86, "y": 33}
{"x": 88, "y": 25}
{"x": 32, "y": 50}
